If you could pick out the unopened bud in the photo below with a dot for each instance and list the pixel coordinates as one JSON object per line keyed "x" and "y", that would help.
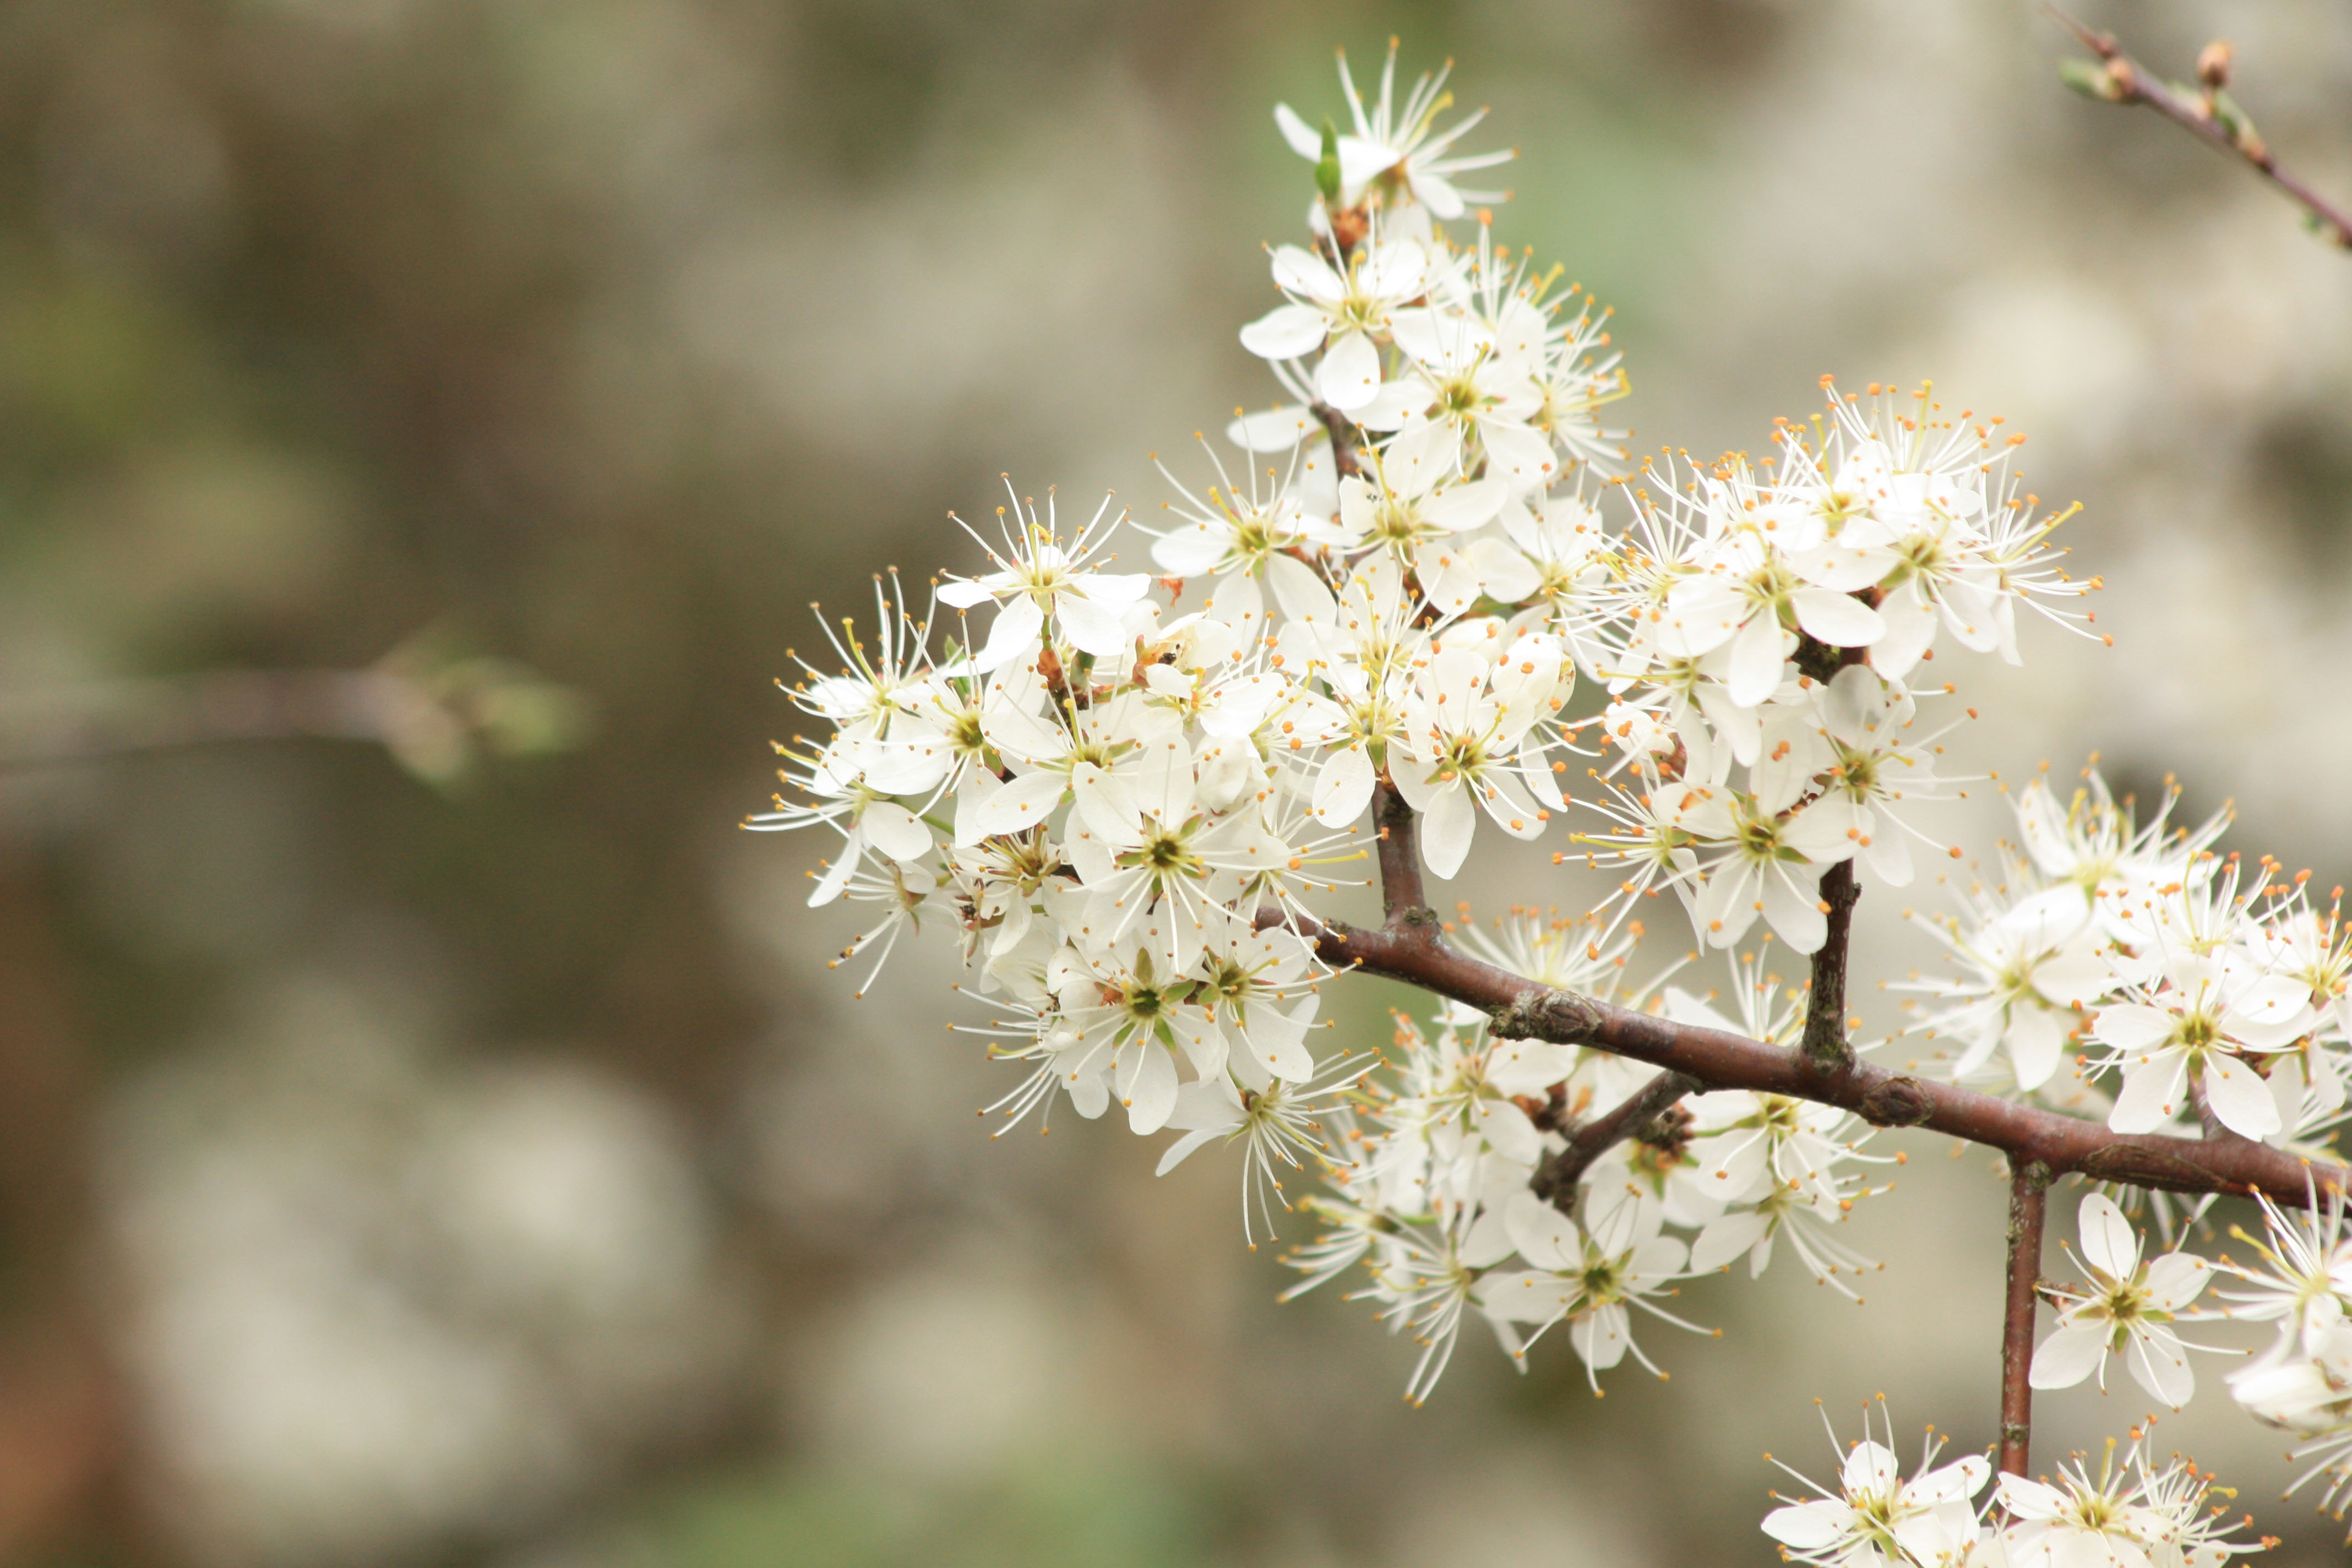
{"x": 2213, "y": 63}
{"x": 1327, "y": 167}
{"x": 2088, "y": 77}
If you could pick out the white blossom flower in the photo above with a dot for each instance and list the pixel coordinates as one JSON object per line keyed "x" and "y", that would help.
{"x": 1767, "y": 864}
{"x": 2306, "y": 1287}
{"x": 1876, "y": 1519}
{"x": 2210, "y": 1011}
{"x": 1341, "y": 313}
{"x": 1464, "y": 724}
{"x": 1038, "y": 576}
{"x": 1586, "y": 1280}
{"x": 1276, "y": 1125}
{"x": 2128, "y": 1310}
{"x": 1398, "y": 146}
{"x": 2132, "y": 1516}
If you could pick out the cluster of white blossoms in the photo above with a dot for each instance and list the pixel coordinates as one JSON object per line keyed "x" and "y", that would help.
{"x": 2174, "y": 987}
{"x": 2302, "y": 1280}
{"x": 1443, "y": 1177}
{"x": 1440, "y": 583}
{"x": 2134, "y": 1513}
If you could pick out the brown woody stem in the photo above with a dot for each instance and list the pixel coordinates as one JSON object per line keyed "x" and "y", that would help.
{"x": 1343, "y": 439}
{"x": 2029, "y": 1201}
{"x": 1825, "y": 1040}
{"x": 1403, "y": 904}
{"x": 1523, "y": 1009}
{"x": 1556, "y": 1178}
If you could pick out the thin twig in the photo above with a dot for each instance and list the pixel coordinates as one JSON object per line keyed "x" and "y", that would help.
{"x": 1522, "y": 1009}
{"x": 2029, "y": 1201}
{"x": 1556, "y": 1178}
{"x": 115, "y": 718}
{"x": 1824, "y": 1039}
{"x": 2208, "y": 115}
{"x": 434, "y": 719}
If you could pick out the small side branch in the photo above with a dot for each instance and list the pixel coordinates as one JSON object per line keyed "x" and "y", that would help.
{"x": 2208, "y": 115}
{"x": 1556, "y": 1178}
{"x": 1825, "y": 1040}
{"x": 2029, "y": 1201}
{"x": 1403, "y": 903}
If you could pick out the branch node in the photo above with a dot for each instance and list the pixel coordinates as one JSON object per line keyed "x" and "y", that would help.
{"x": 1900, "y": 1101}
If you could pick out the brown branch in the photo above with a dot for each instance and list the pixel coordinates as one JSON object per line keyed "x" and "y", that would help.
{"x": 2029, "y": 1201}
{"x": 2210, "y": 116}
{"x": 1824, "y": 1039}
{"x": 1403, "y": 903}
{"x": 1343, "y": 439}
{"x": 1556, "y": 1178}
{"x": 1522, "y": 1009}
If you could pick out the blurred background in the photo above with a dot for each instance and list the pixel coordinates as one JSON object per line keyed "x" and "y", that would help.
{"x": 429, "y": 1133}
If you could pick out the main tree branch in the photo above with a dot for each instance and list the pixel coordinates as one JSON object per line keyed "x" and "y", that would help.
{"x": 2208, "y": 115}
{"x": 1522, "y": 1009}
{"x": 2029, "y": 1200}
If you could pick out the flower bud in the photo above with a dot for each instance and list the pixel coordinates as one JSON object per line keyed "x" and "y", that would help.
{"x": 2213, "y": 64}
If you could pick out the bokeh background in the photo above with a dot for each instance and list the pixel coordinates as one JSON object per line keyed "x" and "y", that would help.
{"x": 451, "y": 1147}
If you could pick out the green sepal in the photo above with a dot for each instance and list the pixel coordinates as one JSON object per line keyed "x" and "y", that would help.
{"x": 2088, "y": 77}
{"x": 1327, "y": 167}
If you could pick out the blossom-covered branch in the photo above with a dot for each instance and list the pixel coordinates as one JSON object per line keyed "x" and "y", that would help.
{"x": 1719, "y": 1059}
{"x": 1435, "y": 598}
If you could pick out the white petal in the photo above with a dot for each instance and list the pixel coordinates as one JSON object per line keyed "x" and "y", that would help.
{"x": 1184, "y": 1146}
{"x": 2240, "y": 1099}
{"x": 1810, "y": 1526}
{"x": 1344, "y": 787}
{"x": 895, "y": 831}
{"x": 2069, "y": 1357}
{"x": 2175, "y": 1278}
{"x": 1022, "y": 802}
{"x": 1869, "y": 1468}
{"x": 1545, "y": 1236}
{"x": 2160, "y": 1367}
{"x": 1148, "y": 1085}
{"x": 2035, "y": 1045}
{"x": 1522, "y": 457}
{"x": 1015, "y": 635}
{"x": 1757, "y": 650}
{"x": 1286, "y": 331}
{"x": 1795, "y": 912}
{"x": 2132, "y": 1026}
{"x": 1349, "y": 376}
{"x": 1094, "y": 629}
{"x": 1272, "y": 429}
{"x": 2108, "y": 1244}
{"x": 1304, "y": 139}
{"x": 1600, "y": 1337}
{"x": 2151, "y": 1094}
{"x": 1831, "y": 617}
{"x": 1726, "y": 1238}
{"x": 1446, "y": 828}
